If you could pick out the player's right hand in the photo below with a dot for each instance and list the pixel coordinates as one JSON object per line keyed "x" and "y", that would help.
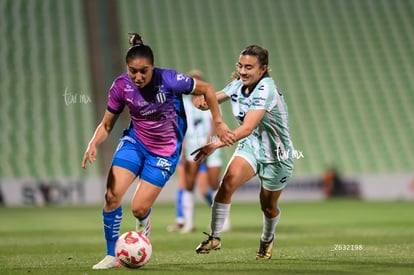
{"x": 200, "y": 103}
{"x": 225, "y": 134}
{"x": 90, "y": 155}
{"x": 204, "y": 151}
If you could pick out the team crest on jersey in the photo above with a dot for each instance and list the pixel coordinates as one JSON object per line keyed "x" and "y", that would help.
{"x": 161, "y": 97}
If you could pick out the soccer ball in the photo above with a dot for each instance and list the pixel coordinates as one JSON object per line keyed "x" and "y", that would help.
{"x": 133, "y": 249}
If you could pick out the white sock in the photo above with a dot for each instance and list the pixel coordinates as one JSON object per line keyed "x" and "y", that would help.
{"x": 188, "y": 208}
{"x": 226, "y": 225}
{"x": 219, "y": 214}
{"x": 269, "y": 227}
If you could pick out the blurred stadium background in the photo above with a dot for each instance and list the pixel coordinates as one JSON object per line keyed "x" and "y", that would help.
{"x": 346, "y": 69}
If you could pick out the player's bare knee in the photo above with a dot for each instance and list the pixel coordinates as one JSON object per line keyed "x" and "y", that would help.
{"x": 228, "y": 184}
{"x": 111, "y": 200}
{"x": 139, "y": 212}
{"x": 270, "y": 212}
{"x": 190, "y": 186}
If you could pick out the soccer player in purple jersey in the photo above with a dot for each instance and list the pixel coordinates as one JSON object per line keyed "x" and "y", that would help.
{"x": 151, "y": 146}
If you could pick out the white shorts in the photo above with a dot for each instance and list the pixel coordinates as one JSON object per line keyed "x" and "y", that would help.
{"x": 214, "y": 160}
{"x": 273, "y": 176}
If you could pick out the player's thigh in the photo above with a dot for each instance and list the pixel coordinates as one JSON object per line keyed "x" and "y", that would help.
{"x": 241, "y": 168}
{"x": 238, "y": 172}
{"x": 118, "y": 182}
{"x": 144, "y": 197}
{"x": 242, "y": 165}
{"x": 119, "y": 179}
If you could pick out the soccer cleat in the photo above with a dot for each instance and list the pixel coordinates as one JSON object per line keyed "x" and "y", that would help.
{"x": 211, "y": 243}
{"x": 144, "y": 228}
{"x": 107, "y": 262}
{"x": 175, "y": 228}
{"x": 265, "y": 250}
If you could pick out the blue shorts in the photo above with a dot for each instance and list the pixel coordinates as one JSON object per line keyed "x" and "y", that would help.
{"x": 131, "y": 154}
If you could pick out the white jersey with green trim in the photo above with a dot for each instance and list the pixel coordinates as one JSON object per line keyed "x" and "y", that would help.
{"x": 270, "y": 139}
{"x": 199, "y": 124}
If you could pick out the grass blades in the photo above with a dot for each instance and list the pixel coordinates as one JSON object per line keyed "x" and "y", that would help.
{"x": 330, "y": 237}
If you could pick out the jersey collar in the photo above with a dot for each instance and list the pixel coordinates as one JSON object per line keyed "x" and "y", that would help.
{"x": 243, "y": 88}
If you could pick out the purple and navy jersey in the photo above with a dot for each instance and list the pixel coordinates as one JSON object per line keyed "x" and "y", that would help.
{"x": 152, "y": 108}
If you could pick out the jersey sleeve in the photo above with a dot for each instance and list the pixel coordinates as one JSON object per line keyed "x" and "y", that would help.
{"x": 264, "y": 97}
{"x": 179, "y": 83}
{"x": 231, "y": 88}
{"x": 116, "y": 103}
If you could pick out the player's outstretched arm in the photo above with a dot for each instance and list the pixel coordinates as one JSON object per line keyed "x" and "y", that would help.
{"x": 223, "y": 131}
{"x": 201, "y": 104}
{"x": 250, "y": 122}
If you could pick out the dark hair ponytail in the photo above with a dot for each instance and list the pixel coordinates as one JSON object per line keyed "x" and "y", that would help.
{"x": 135, "y": 39}
{"x": 138, "y": 49}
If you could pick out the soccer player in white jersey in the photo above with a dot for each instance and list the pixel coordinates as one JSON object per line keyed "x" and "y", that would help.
{"x": 264, "y": 147}
{"x": 200, "y": 131}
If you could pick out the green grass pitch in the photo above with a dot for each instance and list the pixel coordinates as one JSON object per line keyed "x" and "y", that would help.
{"x": 330, "y": 237}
